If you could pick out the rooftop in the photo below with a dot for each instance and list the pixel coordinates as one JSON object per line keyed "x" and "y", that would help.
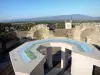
{"x": 25, "y": 55}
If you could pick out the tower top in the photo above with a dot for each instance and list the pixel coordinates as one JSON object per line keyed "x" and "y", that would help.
{"x": 69, "y": 20}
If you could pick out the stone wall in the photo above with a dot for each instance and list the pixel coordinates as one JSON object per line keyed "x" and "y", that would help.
{"x": 42, "y": 30}
{"x": 87, "y": 32}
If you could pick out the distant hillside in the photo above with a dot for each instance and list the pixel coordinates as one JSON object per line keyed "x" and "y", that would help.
{"x": 60, "y": 17}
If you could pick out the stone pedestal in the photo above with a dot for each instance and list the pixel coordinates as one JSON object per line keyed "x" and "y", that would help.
{"x": 64, "y": 57}
{"x": 49, "y": 57}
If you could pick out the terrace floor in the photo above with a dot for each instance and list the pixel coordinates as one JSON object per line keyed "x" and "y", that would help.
{"x": 7, "y": 70}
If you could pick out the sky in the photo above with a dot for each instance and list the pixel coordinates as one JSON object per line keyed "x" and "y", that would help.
{"x": 20, "y": 9}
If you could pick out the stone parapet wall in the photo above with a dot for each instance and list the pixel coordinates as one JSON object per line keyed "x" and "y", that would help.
{"x": 31, "y": 32}
{"x": 83, "y": 32}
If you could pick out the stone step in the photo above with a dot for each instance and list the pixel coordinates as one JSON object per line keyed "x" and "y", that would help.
{"x": 54, "y": 71}
{"x": 66, "y": 73}
{"x": 7, "y": 70}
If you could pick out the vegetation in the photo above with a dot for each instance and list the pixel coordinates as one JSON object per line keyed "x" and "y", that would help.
{"x": 23, "y": 26}
{"x": 57, "y": 24}
{"x": 7, "y": 27}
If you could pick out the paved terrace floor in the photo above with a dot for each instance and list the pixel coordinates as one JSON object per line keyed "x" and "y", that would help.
{"x": 7, "y": 70}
